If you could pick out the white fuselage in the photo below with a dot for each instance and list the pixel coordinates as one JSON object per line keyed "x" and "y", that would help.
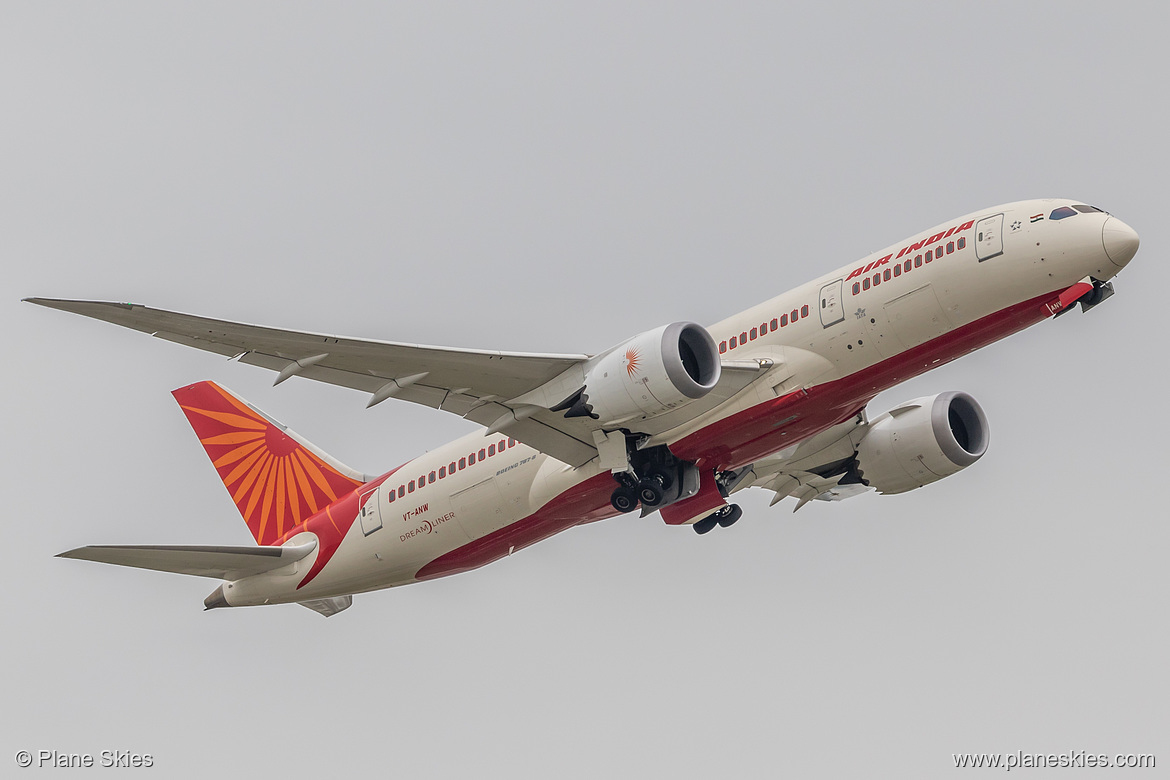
{"x": 860, "y": 340}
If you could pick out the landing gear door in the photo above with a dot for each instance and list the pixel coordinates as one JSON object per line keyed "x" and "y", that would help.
{"x": 832, "y": 308}
{"x": 370, "y": 513}
{"x": 989, "y": 237}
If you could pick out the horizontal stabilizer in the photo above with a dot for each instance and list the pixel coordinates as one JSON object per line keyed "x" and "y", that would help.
{"x": 328, "y": 607}
{"x": 224, "y": 563}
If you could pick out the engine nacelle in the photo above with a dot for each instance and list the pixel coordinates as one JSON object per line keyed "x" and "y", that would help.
{"x": 652, "y": 373}
{"x": 922, "y": 441}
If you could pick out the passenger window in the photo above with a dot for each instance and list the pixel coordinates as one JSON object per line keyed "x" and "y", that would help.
{"x": 491, "y": 450}
{"x": 856, "y": 288}
{"x": 774, "y": 324}
{"x": 755, "y": 334}
{"x": 401, "y": 491}
{"x": 906, "y": 267}
{"x": 471, "y": 459}
{"x": 783, "y": 320}
{"x": 462, "y": 463}
{"x": 410, "y": 486}
{"x": 804, "y": 310}
{"x": 962, "y": 243}
{"x": 918, "y": 261}
{"x": 950, "y": 247}
{"x": 886, "y": 275}
{"x": 898, "y": 270}
{"x": 442, "y": 471}
{"x": 722, "y": 347}
{"x": 390, "y": 497}
{"x": 743, "y": 337}
{"x": 865, "y": 283}
{"x": 763, "y": 328}
{"x": 929, "y": 255}
{"x": 877, "y": 279}
{"x": 431, "y": 478}
{"x": 1062, "y": 213}
{"x": 511, "y": 443}
{"x": 793, "y": 316}
{"x": 451, "y": 467}
{"x": 481, "y": 454}
{"x": 733, "y": 342}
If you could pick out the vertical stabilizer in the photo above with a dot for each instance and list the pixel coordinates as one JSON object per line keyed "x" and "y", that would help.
{"x": 276, "y": 478}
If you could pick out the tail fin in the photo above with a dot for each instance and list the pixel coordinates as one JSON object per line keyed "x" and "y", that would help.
{"x": 276, "y": 479}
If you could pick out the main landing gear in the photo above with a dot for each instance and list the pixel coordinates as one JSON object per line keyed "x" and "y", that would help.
{"x": 653, "y": 480}
{"x": 651, "y": 488}
{"x": 724, "y": 516}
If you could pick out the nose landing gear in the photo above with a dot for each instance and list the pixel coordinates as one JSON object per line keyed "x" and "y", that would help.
{"x": 1100, "y": 293}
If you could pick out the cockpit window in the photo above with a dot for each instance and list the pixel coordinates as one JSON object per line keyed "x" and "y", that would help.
{"x": 1062, "y": 212}
{"x": 1088, "y": 209}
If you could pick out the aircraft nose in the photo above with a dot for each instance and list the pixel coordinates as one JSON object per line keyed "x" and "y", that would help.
{"x": 1120, "y": 241}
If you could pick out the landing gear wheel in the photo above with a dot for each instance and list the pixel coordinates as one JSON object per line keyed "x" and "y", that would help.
{"x": 660, "y": 475}
{"x": 623, "y": 500}
{"x": 650, "y": 493}
{"x": 706, "y": 524}
{"x": 727, "y": 516}
{"x": 1091, "y": 298}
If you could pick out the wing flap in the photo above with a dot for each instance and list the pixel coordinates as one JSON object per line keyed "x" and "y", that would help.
{"x": 536, "y": 434}
{"x": 217, "y": 562}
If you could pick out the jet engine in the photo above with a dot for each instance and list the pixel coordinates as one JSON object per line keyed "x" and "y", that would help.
{"x": 922, "y": 441}
{"x": 654, "y": 372}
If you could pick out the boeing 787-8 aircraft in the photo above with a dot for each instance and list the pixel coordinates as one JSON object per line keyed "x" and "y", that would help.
{"x": 675, "y": 420}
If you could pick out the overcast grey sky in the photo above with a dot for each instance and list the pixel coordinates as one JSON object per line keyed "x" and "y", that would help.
{"x": 551, "y": 177}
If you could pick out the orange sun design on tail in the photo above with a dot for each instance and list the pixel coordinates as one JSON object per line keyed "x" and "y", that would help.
{"x": 633, "y": 360}
{"x": 275, "y": 482}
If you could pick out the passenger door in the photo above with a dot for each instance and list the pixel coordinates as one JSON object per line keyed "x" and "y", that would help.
{"x": 371, "y": 512}
{"x": 989, "y": 237}
{"x": 832, "y": 310}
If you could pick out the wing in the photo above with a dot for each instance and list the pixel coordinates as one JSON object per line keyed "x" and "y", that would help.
{"x": 819, "y": 468}
{"x": 465, "y": 382}
{"x": 475, "y": 384}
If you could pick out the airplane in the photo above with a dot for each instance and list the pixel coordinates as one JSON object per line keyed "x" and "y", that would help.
{"x": 675, "y": 420}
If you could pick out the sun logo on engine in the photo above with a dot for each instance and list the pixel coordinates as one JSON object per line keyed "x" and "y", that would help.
{"x": 633, "y": 359}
